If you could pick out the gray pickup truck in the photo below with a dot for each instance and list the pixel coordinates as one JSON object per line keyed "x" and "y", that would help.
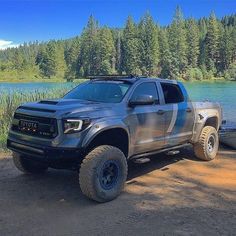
{"x": 102, "y": 123}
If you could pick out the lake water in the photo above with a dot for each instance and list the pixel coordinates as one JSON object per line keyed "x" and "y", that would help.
{"x": 222, "y": 92}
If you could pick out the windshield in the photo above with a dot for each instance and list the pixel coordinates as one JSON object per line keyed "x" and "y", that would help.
{"x": 108, "y": 92}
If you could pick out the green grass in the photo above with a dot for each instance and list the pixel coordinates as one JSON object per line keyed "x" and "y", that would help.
{"x": 39, "y": 80}
{"x": 11, "y": 100}
{"x": 28, "y": 80}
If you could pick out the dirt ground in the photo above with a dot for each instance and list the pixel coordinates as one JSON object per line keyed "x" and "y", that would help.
{"x": 171, "y": 195}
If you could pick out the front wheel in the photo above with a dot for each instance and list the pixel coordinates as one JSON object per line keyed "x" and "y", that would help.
{"x": 103, "y": 173}
{"x": 207, "y": 146}
{"x": 28, "y": 166}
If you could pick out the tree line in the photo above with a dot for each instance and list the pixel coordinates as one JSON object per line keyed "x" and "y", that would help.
{"x": 186, "y": 49}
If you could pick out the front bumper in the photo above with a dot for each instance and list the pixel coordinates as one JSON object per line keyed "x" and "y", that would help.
{"x": 45, "y": 153}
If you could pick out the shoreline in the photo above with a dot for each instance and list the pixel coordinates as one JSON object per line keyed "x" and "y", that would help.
{"x": 215, "y": 80}
{"x": 40, "y": 81}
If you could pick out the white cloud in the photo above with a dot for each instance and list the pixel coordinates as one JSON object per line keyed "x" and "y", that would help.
{"x": 7, "y": 44}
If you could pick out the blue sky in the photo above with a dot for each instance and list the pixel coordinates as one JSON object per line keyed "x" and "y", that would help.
{"x": 29, "y": 20}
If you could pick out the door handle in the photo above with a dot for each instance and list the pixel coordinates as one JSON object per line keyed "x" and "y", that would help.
{"x": 160, "y": 112}
{"x": 188, "y": 109}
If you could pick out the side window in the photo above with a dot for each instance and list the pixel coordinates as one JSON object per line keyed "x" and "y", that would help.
{"x": 148, "y": 88}
{"x": 172, "y": 93}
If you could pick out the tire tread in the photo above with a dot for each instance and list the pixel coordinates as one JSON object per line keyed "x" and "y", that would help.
{"x": 87, "y": 170}
{"x": 200, "y": 148}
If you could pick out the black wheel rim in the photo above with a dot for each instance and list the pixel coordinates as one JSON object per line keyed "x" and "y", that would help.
{"x": 109, "y": 174}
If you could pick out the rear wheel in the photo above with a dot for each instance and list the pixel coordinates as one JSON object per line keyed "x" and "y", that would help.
{"x": 103, "y": 173}
{"x": 28, "y": 166}
{"x": 207, "y": 146}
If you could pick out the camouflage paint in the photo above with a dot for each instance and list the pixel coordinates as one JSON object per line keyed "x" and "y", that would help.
{"x": 147, "y": 129}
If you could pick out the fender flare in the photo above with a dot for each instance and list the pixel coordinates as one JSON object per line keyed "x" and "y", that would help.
{"x": 200, "y": 125}
{"x": 102, "y": 126}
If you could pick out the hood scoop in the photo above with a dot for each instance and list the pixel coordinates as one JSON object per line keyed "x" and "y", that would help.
{"x": 36, "y": 109}
{"x": 49, "y": 102}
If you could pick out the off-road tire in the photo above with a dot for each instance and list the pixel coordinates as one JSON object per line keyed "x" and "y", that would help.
{"x": 27, "y": 166}
{"x": 93, "y": 167}
{"x": 201, "y": 148}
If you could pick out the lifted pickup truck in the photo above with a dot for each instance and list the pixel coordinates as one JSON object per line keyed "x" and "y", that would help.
{"x": 101, "y": 124}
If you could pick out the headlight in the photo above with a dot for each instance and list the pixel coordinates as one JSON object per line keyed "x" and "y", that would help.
{"x": 74, "y": 125}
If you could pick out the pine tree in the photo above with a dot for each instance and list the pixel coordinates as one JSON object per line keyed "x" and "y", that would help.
{"x": 51, "y": 60}
{"x": 60, "y": 59}
{"x": 202, "y": 43}
{"x": 226, "y": 48}
{"x": 71, "y": 58}
{"x": 192, "y": 43}
{"x": 178, "y": 45}
{"x": 177, "y": 50}
{"x": 202, "y": 26}
{"x": 106, "y": 51}
{"x": 148, "y": 46}
{"x": 72, "y": 52}
{"x": 165, "y": 55}
{"x": 131, "y": 56}
{"x": 47, "y": 60}
{"x": 212, "y": 42}
{"x": 89, "y": 58}
{"x": 233, "y": 42}
{"x": 18, "y": 60}
{"x": 118, "y": 60}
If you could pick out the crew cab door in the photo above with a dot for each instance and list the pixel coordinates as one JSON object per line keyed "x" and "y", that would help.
{"x": 179, "y": 114}
{"x": 146, "y": 122}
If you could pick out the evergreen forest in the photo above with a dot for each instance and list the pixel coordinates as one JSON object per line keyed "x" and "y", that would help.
{"x": 186, "y": 49}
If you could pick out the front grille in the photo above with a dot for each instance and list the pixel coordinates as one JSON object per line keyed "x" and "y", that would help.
{"x": 46, "y": 127}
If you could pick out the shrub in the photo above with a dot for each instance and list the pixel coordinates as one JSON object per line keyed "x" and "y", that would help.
{"x": 193, "y": 74}
{"x": 230, "y": 74}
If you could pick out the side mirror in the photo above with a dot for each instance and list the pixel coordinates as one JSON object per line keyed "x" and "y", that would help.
{"x": 142, "y": 100}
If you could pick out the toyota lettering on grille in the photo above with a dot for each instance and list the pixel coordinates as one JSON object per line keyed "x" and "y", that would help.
{"x": 28, "y": 126}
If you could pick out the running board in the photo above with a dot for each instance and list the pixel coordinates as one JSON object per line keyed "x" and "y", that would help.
{"x": 159, "y": 151}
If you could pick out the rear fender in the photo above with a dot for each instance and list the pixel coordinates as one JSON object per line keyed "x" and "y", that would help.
{"x": 201, "y": 122}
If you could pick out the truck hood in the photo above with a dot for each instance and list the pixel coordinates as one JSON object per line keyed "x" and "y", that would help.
{"x": 63, "y": 108}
